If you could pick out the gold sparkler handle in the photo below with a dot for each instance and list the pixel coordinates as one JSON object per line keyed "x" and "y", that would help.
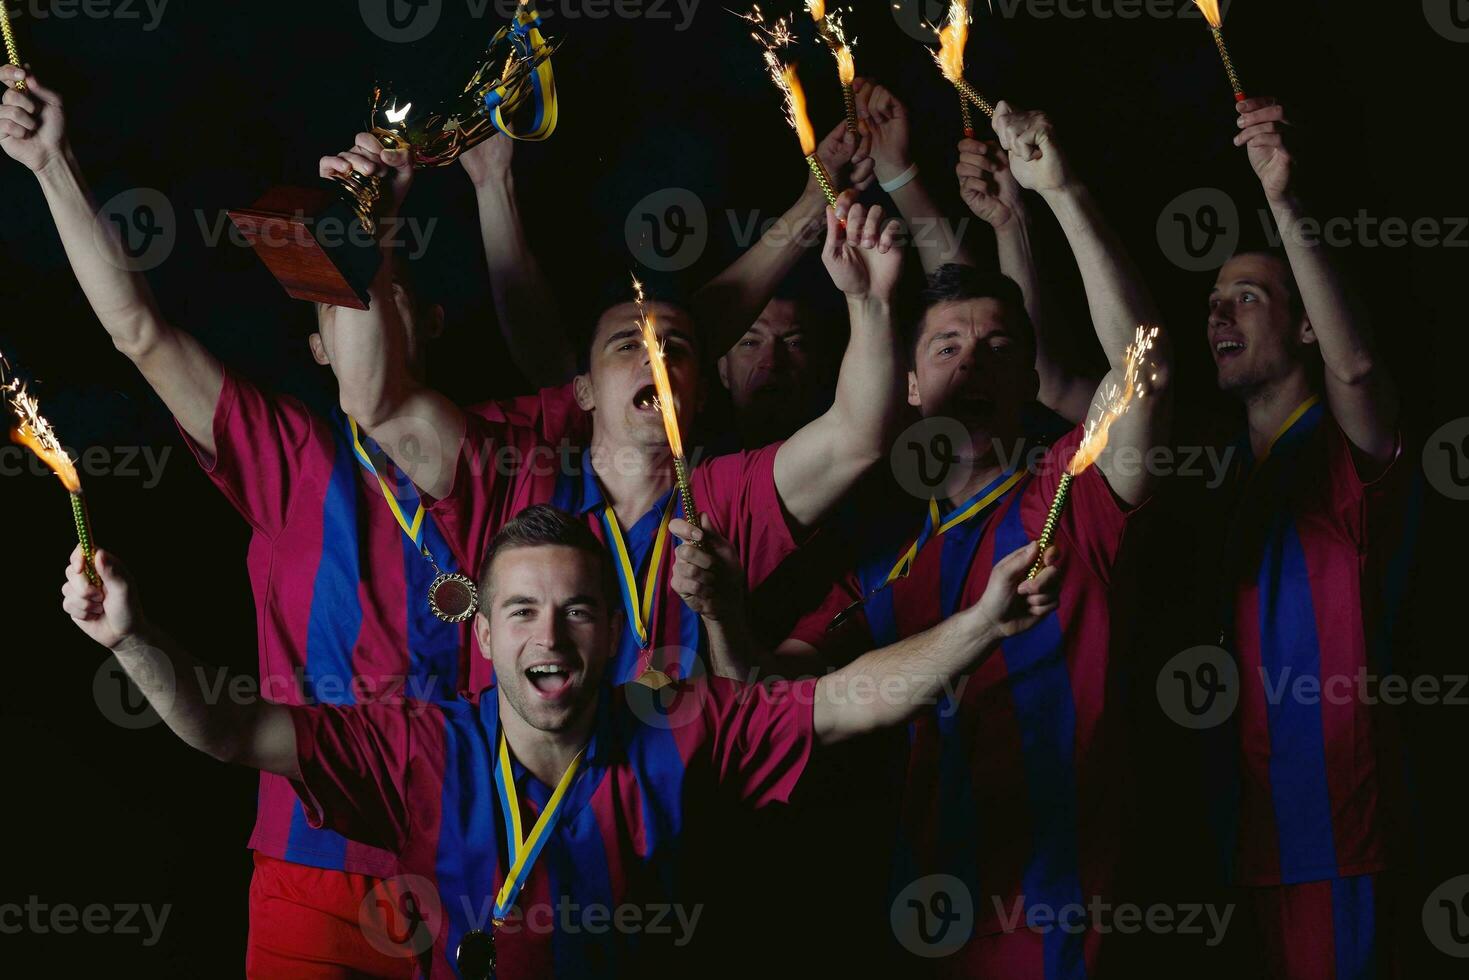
{"x": 84, "y": 536}
{"x": 1048, "y": 533}
{"x": 968, "y": 91}
{"x": 686, "y": 494}
{"x": 10, "y": 50}
{"x": 1239, "y": 92}
{"x": 851, "y": 102}
{"x": 967, "y": 115}
{"x": 822, "y": 178}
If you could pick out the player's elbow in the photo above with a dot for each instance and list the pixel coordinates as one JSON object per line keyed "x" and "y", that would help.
{"x": 1355, "y": 371}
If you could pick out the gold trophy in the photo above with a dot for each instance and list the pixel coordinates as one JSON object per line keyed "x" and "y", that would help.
{"x": 321, "y": 243}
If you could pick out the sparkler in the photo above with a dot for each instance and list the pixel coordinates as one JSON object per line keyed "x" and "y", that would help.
{"x": 1212, "y": 14}
{"x": 1114, "y": 402}
{"x": 950, "y": 59}
{"x": 10, "y": 50}
{"x": 665, "y": 404}
{"x": 771, "y": 37}
{"x": 829, "y": 28}
{"x": 36, "y": 434}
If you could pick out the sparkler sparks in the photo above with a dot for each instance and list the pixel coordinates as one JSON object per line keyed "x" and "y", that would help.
{"x": 950, "y": 58}
{"x": 664, "y": 402}
{"x": 829, "y": 27}
{"x": 35, "y": 433}
{"x": 1112, "y": 404}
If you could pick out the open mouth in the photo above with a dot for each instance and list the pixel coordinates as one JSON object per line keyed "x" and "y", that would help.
{"x": 551, "y": 681}
{"x": 972, "y": 404}
{"x": 646, "y": 399}
{"x": 1228, "y": 348}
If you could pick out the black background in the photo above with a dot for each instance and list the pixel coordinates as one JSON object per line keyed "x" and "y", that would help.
{"x": 222, "y": 100}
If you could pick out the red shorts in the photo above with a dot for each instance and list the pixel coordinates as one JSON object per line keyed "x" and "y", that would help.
{"x": 307, "y": 924}
{"x": 1344, "y": 929}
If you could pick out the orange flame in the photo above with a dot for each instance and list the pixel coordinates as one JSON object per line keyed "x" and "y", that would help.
{"x": 1210, "y": 9}
{"x": 1114, "y": 402}
{"x": 835, "y": 35}
{"x": 36, "y": 434}
{"x": 659, "y": 361}
{"x": 846, "y": 66}
{"x": 796, "y": 110}
{"x": 952, "y": 39}
{"x": 817, "y": 9}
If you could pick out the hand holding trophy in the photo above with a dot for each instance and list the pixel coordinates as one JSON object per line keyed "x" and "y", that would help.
{"x": 321, "y": 243}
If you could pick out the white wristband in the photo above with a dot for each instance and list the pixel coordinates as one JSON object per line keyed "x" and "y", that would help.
{"x": 902, "y": 180}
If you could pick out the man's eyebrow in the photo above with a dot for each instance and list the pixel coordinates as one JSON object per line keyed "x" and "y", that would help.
{"x": 584, "y": 600}
{"x": 622, "y": 335}
{"x": 944, "y": 335}
{"x": 519, "y": 600}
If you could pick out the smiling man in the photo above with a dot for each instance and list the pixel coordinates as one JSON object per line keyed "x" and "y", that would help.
{"x": 1321, "y": 529}
{"x": 534, "y": 823}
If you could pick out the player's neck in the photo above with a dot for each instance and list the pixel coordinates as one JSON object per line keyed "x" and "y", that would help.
{"x": 633, "y": 477}
{"x": 985, "y": 472}
{"x": 545, "y": 754}
{"x": 1268, "y": 407}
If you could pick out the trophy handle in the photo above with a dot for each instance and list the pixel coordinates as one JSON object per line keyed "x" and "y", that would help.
{"x": 363, "y": 193}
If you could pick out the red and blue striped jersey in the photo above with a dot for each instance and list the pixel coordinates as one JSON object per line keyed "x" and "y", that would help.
{"x": 342, "y": 614}
{"x": 1316, "y": 564}
{"x": 736, "y": 493}
{"x": 1014, "y": 783}
{"x": 418, "y": 781}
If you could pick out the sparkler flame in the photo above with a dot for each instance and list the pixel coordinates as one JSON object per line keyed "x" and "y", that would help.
{"x": 796, "y": 113}
{"x": 1210, "y": 10}
{"x": 1115, "y": 401}
{"x": 659, "y": 360}
{"x": 35, "y": 433}
{"x": 952, "y": 38}
{"x": 771, "y": 37}
{"x": 830, "y": 27}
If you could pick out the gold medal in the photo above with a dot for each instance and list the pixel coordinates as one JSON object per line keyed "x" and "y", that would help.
{"x": 475, "y": 957}
{"x": 453, "y": 598}
{"x": 654, "y": 680}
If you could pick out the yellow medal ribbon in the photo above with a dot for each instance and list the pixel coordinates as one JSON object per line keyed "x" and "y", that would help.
{"x": 411, "y": 527}
{"x": 639, "y": 607}
{"x": 524, "y": 850}
{"x": 905, "y": 564}
{"x": 1289, "y": 423}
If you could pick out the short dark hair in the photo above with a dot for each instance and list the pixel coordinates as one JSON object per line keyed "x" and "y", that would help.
{"x": 954, "y": 283}
{"x": 1292, "y": 288}
{"x": 615, "y": 299}
{"x": 541, "y": 526}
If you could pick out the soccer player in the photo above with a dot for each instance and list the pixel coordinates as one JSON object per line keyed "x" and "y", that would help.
{"x": 341, "y": 557}
{"x": 1012, "y": 781}
{"x": 479, "y": 471}
{"x": 1312, "y": 567}
{"x": 539, "y": 820}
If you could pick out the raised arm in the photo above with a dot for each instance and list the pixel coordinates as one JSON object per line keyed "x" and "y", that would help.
{"x": 1115, "y": 293}
{"x": 530, "y": 318}
{"x": 991, "y": 191}
{"x": 821, "y": 463}
{"x": 914, "y": 672}
{"x": 730, "y": 302}
{"x": 247, "y": 732}
{"x": 183, "y": 373}
{"x": 420, "y": 429}
{"x": 1362, "y": 397}
{"x": 932, "y": 233}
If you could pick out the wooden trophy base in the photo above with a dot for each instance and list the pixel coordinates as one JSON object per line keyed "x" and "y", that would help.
{"x": 313, "y": 243}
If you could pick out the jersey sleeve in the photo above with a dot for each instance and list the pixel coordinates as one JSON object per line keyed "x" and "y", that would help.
{"x": 757, "y": 738}
{"x": 262, "y": 445}
{"x": 1094, "y": 523}
{"x": 553, "y": 412}
{"x": 356, "y": 765}
{"x": 737, "y": 493}
{"x": 1367, "y": 508}
{"x": 837, "y": 628}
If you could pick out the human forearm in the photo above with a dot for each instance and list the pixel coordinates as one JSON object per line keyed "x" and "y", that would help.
{"x": 729, "y": 303}
{"x": 254, "y": 733}
{"x": 529, "y": 316}
{"x": 900, "y": 679}
{"x": 1118, "y": 301}
{"x": 937, "y": 240}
